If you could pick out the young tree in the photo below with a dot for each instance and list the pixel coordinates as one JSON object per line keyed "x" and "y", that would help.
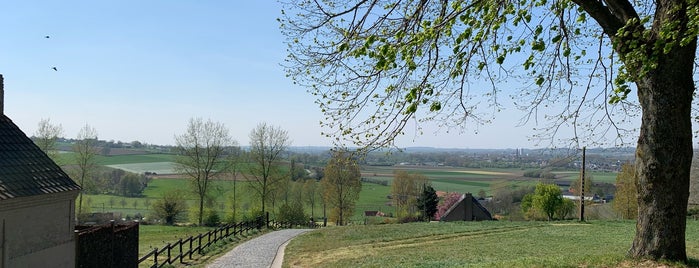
{"x": 130, "y": 185}
{"x": 502, "y": 202}
{"x": 237, "y": 157}
{"x": 201, "y": 156}
{"x": 311, "y": 192}
{"x": 341, "y": 185}
{"x": 405, "y": 190}
{"x": 86, "y": 152}
{"x": 589, "y": 182}
{"x": 482, "y": 194}
{"x": 625, "y": 201}
{"x": 170, "y": 207}
{"x": 381, "y": 64}
{"x": 566, "y": 208}
{"x": 46, "y": 136}
{"x": 548, "y": 199}
{"x": 427, "y": 202}
{"x": 266, "y": 146}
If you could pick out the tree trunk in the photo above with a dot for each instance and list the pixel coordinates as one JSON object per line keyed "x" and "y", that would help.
{"x": 664, "y": 157}
{"x": 201, "y": 209}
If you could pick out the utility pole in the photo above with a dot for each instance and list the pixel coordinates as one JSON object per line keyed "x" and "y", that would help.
{"x": 582, "y": 188}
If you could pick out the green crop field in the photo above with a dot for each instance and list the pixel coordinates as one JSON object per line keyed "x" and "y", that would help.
{"x": 597, "y": 176}
{"x": 472, "y": 244}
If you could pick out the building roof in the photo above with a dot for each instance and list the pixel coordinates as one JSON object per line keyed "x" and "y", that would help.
{"x": 25, "y": 170}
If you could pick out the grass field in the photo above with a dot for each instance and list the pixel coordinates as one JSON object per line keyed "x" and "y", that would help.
{"x": 221, "y": 190}
{"x": 597, "y": 176}
{"x": 472, "y": 244}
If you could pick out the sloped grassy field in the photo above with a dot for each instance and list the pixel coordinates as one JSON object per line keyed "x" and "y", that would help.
{"x": 473, "y": 244}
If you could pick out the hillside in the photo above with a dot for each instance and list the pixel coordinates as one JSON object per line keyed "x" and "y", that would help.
{"x": 474, "y": 244}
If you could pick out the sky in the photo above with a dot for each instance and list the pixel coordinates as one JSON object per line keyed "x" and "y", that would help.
{"x": 139, "y": 70}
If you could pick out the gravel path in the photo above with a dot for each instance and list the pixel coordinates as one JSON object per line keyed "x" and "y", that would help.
{"x": 258, "y": 252}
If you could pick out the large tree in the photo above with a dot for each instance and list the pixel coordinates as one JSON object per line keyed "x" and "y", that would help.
{"x": 376, "y": 65}
{"x": 341, "y": 185}
{"x": 267, "y": 143}
{"x": 86, "y": 151}
{"x": 202, "y": 153}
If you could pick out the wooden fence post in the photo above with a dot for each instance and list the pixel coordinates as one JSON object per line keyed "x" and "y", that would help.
{"x": 181, "y": 254}
{"x": 200, "y": 244}
{"x": 191, "y": 239}
{"x": 155, "y": 258}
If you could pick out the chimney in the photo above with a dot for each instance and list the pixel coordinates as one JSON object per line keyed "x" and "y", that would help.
{"x": 2, "y": 95}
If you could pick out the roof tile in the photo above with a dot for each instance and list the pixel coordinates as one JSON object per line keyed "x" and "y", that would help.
{"x": 25, "y": 170}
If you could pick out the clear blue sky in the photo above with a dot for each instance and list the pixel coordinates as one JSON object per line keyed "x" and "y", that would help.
{"x": 138, "y": 70}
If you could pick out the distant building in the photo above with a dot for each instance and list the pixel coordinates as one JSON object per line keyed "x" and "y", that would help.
{"x": 576, "y": 197}
{"x": 373, "y": 213}
{"x": 467, "y": 209}
{"x": 37, "y": 203}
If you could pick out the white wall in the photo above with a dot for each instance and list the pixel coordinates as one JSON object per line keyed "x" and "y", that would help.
{"x": 38, "y": 231}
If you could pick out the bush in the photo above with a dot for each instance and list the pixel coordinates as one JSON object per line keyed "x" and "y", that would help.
{"x": 292, "y": 214}
{"x": 410, "y": 218}
{"x": 211, "y": 218}
{"x": 171, "y": 207}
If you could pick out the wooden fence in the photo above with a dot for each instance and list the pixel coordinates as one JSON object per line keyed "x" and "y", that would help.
{"x": 184, "y": 248}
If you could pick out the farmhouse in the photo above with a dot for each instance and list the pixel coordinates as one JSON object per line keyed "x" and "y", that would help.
{"x": 467, "y": 209}
{"x": 37, "y": 203}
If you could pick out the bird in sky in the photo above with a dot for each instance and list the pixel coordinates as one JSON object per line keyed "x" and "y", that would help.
{"x": 54, "y": 68}
{"x": 46, "y": 36}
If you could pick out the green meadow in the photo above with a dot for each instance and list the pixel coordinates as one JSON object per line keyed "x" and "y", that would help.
{"x": 474, "y": 244}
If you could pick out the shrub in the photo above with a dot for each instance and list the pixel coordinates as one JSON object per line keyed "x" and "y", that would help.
{"x": 171, "y": 207}
{"x": 292, "y": 214}
{"x": 211, "y": 218}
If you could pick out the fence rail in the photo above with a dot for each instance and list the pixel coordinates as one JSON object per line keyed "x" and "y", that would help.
{"x": 173, "y": 252}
